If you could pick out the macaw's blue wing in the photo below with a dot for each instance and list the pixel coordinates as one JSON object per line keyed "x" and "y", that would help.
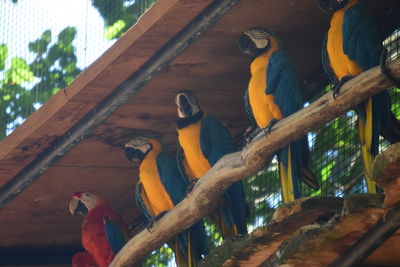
{"x": 115, "y": 235}
{"x": 282, "y": 83}
{"x": 326, "y": 64}
{"x": 248, "y": 110}
{"x": 192, "y": 242}
{"x": 361, "y": 39}
{"x": 142, "y": 202}
{"x": 174, "y": 183}
{"x": 215, "y": 142}
{"x": 180, "y": 159}
{"x": 362, "y": 43}
{"x": 239, "y": 207}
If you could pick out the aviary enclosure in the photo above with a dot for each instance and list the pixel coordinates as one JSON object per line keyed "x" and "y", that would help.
{"x": 33, "y": 70}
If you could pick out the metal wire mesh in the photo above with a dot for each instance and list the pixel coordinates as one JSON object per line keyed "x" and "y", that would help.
{"x": 45, "y": 44}
{"x": 66, "y": 36}
{"x": 335, "y": 158}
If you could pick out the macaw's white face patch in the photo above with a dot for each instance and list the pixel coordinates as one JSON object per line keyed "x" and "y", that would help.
{"x": 187, "y": 104}
{"x": 259, "y": 37}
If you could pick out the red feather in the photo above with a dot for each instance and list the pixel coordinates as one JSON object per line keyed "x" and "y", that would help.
{"x": 94, "y": 238}
{"x": 83, "y": 259}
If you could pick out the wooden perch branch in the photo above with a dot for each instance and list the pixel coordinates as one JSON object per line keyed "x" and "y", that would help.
{"x": 232, "y": 167}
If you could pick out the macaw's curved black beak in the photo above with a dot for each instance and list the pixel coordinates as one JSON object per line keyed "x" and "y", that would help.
{"x": 248, "y": 47}
{"x": 185, "y": 106}
{"x": 330, "y": 6}
{"x": 76, "y": 207}
{"x": 134, "y": 156}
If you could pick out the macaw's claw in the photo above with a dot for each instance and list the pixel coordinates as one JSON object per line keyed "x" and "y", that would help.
{"x": 155, "y": 219}
{"x": 339, "y": 84}
{"x": 191, "y": 186}
{"x": 250, "y": 136}
{"x": 268, "y": 128}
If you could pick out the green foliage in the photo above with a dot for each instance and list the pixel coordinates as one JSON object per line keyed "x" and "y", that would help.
{"x": 23, "y": 84}
{"x": 3, "y": 56}
{"x": 120, "y": 15}
{"x": 159, "y": 257}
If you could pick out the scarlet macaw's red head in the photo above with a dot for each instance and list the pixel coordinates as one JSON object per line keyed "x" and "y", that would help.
{"x": 82, "y": 202}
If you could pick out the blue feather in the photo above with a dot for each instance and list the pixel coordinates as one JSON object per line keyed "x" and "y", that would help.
{"x": 215, "y": 142}
{"x": 361, "y": 38}
{"x": 114, "y": 234}
{"x": 171, "y": 178}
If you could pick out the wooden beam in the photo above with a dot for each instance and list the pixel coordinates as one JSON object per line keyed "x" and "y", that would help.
{"x": 233, "y": 167}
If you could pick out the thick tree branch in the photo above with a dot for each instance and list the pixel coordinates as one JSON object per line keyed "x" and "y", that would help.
{"x": 232, "y": 167}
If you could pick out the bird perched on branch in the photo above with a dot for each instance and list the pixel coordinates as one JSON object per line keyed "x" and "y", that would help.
{"x": 103, "y": 231}
{"x": 160, "y": 187}
{"x": 273, "y": 94}
{"x": 351, "y": 46}
{"x": 203, "y": 141}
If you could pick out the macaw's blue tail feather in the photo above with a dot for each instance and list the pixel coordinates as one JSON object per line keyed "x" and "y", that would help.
{"x": 197, "y": 232}
{"x": 239, "y": 207}
{"x": 233, "y": 212}
{"x": 293, "y": 161}
{"x": 391, "y": 131}
{"x": 226, "y": 227}
{"x": 180, "y": 258}
{"x": 390, "y": 125}
{"x": 192, "y": 245}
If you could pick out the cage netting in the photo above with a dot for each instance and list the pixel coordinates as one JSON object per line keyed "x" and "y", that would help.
{"x": 65, "y": 36}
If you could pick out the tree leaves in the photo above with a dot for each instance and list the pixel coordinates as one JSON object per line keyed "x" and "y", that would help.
{"x": 19, "y": 72}
{"x": 25, "y": 85}
{"x": 120, "y": 15}
{"x": 3, "y": 56}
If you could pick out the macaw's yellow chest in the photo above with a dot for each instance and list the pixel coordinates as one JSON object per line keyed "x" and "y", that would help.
{"x": 157, "y": 195}
{"x": 340, "y": 63}
{"x": 262, "y": 105}
{"x": 196, "y": 165}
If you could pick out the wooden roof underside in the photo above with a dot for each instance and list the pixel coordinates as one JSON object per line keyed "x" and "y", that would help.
{"x": 212, "y": 66}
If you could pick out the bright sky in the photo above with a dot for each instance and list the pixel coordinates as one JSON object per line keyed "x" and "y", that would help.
{"x": 25, "y": 22}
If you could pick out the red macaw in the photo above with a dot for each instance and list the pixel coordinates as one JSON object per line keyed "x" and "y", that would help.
{"x": 103, "y": 231}
{"x": 83, "y": 259}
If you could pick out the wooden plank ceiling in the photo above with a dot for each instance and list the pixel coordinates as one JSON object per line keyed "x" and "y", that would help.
{"x": 212, "y": 66}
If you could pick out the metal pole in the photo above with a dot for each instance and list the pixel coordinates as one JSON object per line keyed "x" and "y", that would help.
{"x": 371, "y": 240}
{"x": 103, "y": 110}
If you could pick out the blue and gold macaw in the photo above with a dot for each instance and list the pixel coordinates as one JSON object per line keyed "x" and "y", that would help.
{"x": 160, "y": 187}
{"x": 353, "y": 45}
{"x": 273, "y": 94}
{"x": 203, "y": 141}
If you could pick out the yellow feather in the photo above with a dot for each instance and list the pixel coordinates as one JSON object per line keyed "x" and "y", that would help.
{"x": 286, "y": 180}
{"x": 262, "y": 105}
{"x": 341, "y": 64}
{"x": 196, "y": 165}
{"x": 365, "y": 133}
{"x": 189, "y": 253}
{"x": 179, "y": 257}
{"x": 157, "y": 197}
